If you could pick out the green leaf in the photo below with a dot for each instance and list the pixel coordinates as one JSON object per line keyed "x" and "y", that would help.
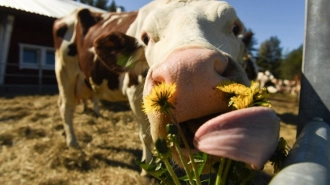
{"x": 123, "y": 60}
{"x": 152, "y": 168}
{"x": 200, "y": 159}
{"x": 157, "y": 170}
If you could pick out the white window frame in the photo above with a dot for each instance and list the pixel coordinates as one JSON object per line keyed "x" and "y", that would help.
{"x": 42, "y": 50}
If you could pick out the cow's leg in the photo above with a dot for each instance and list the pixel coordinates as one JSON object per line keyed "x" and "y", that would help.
{"x": 147, "y": 142}
{"x": 67, "y": 107}
{"x": 66, "y": 110}
{"x": 96, "y": 107}
{"x": 85, "y": 104}
{"x": 66, "y": 79}
{"x": 85, "y": 93}
{"x": 135, "y": 99}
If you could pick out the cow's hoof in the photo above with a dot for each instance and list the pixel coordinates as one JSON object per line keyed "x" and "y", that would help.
{"x": 74, "y": 145}
{"x": 98, "y": 115}
{"x": 148, "y": 179}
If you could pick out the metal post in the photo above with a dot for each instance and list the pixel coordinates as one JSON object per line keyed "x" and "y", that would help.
{"x": 308, "y": 162}
{"x": 315, "y": 82}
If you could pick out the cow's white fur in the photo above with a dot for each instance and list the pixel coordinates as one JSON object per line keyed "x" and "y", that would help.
{"x": 179, "y": 18}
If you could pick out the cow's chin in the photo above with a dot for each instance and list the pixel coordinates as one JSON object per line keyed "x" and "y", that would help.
{"x": 158, "y": 130}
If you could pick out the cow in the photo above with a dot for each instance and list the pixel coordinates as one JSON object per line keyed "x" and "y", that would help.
{"x": 82, "y": 75}
{"x": 266, "y": 79}
{"x": 195, "y": 44}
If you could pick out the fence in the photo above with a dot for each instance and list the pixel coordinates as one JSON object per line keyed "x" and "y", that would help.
{"x": 308, "y": 162}
{"x": 19, "y": 87}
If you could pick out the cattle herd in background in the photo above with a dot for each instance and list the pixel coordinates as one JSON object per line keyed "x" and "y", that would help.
{"x": 267, "y": 79}
{"x": 284, "y": 86}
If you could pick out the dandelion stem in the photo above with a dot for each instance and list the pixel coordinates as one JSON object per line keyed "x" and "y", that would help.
{"x": 245, "y": 180}
{"x": 184, "y": 163}
{"x": 218, "y": 180}
{"x": 184, "y": 140}
{"x": 170, "y": 170}
{"x": 224, "y": 175}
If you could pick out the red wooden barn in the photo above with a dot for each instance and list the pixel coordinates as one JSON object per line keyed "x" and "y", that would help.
{"x": 26, "y": 43}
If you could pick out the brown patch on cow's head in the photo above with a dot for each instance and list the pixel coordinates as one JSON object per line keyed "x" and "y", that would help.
{"x": 72, "y": 50}
{"x": 59, "y": 30}
{"x": 87, "y": 19}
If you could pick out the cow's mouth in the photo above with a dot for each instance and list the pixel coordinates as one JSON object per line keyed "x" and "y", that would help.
{"x": 190, "y": 127}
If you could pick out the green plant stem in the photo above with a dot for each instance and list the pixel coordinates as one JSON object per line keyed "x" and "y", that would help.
{"x": 247, "y": 179}
{"x": 225, "y": 173}
{"x": 218, "y": 180}
{"x": 170, "y": 170}
{"x": 184, "y": 140}
{"x": 184, "y": 164}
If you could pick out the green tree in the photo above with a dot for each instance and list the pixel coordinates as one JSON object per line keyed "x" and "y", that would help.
{"x": 270, "y": 55}
{"x": 102, "y": 4}
{"x": 113, "y": 7}
{"x": 291, "y": 64}
{"x": 89, "y": 2}
{"x": 252, "y": 42}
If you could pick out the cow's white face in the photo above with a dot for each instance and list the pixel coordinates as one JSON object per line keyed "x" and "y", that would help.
{"x": 195, "y": 45}
{"x": 213, "y": 25}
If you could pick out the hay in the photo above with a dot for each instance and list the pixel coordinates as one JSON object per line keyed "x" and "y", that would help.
{"x": 33, "y": 149}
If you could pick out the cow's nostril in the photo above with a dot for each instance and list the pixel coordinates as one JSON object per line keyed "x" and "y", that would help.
{"x": 157, "y": 77}
{"x": 220, "y": 65}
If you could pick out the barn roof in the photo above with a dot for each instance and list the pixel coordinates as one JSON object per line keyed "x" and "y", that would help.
{"x": 49, "y": 8}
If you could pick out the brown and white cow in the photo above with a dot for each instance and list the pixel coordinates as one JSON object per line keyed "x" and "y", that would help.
{"x": 82, "y": 75}
{"x": 192, "y": 43}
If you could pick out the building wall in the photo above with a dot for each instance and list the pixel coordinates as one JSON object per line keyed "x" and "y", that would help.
{"x": 29, "y": 29}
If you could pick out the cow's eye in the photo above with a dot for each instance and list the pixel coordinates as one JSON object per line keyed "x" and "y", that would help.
{"x": 236, "y": 30}
{"x": 145, "y": 38}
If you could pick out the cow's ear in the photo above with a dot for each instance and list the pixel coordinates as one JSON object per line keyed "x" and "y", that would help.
{"x": 247, "y": 38}
{"x": 250, "y": 67}
{"x": 118, "y": 51}
{"x": 249, "y": 63}
{"x": 87, "y": 19}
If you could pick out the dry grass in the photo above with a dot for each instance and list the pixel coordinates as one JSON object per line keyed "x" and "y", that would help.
{"x": 33, "y": 150}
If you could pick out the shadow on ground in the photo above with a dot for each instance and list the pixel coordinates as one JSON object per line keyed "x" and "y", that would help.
{"x": 289, "y": 118}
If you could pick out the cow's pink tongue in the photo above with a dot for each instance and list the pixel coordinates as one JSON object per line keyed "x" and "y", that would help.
{"x": 249, "y": 135}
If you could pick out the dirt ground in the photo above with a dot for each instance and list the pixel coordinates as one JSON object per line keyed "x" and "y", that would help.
{"x": 33, "y": 150}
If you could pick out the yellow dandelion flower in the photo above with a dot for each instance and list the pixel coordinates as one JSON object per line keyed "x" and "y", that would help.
{"x": 157, "y": 100}
{"x": 242, "y": 96}
{"x": 255, "y": 88}
{"x": 233, "y": 88}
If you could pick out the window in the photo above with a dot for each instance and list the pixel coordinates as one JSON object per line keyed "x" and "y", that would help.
{"x": 33, "y": 57}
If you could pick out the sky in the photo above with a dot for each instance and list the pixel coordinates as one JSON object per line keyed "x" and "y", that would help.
{"x": 266, "y": 18}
